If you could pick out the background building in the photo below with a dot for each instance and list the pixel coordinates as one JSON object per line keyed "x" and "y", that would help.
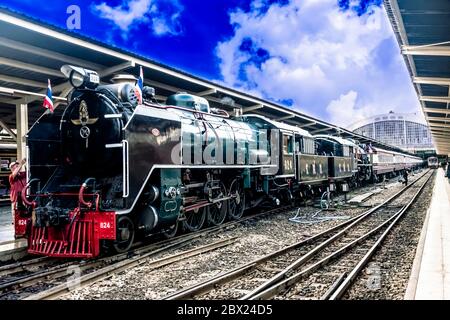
{"x": 404, "y": 130}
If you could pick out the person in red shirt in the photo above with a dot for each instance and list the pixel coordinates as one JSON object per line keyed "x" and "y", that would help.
{"x": 17, "y": 181}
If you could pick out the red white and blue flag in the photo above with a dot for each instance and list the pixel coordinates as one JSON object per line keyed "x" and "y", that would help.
{"x": 140, "y": 86}
{"x": 48, "y": 100}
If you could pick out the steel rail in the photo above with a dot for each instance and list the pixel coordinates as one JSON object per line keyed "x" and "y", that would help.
{"x": 199, "y": 233}
{"x": 240, "y": 270}
{"x": 61, "y": 269}
{"x": 302, "y": 260}
{"x": 285, "y": 284}
{"x": 109, "y": 270}
{"x": 339, "y": 291}
{"x": 237, "y": 272}
{"x": 34, "y": 263}
{"x": 22, "y": 266}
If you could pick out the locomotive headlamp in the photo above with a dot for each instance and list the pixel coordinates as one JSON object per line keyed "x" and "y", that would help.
{"x": 80, "y": 77}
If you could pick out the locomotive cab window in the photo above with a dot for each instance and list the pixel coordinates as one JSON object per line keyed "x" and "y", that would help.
{"x": 288, "y": 144}
{"x": 308, "y": 146}
{"x": 346, "y": 151}
{"x": 297, "y": 146}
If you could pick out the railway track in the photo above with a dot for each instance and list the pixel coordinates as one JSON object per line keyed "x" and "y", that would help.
{"x": 47, "y": 278}
{"x": 24, "y": 278}
{"x": 19, "y": 254}
{"x": 276, "y": 275}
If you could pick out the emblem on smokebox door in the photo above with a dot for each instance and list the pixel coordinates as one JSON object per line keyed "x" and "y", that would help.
{"x": 84, "y": 120}
{"x": 85, "y": 132}
{"x": 83, "y": 116}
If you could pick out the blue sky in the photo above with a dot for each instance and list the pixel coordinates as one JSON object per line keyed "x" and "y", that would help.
{"x": 334, "y": 59}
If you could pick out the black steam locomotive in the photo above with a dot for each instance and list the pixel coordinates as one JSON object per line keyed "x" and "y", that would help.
{"x": 107, "y": 169}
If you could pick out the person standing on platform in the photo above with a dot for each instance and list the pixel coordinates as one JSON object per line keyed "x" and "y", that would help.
{"x": 405, "y": 177}
{"x": 448, "y": 171}
{"x": 17, "y": 181}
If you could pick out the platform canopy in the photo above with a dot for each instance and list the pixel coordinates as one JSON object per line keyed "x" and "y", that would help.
{"x": 423, "y": 33}
{"x": 32, "y": 51}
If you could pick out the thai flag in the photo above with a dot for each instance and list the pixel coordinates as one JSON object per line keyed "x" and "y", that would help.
{"x": 140, "y": 86}
{"x": 48, "y": 100}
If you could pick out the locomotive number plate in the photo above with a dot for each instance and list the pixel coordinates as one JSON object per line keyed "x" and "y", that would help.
{"x": 105, "y": 225}
{"x": 94, "y": 78}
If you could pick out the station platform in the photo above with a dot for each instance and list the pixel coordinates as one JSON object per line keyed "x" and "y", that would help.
{"x": 6, "y": 227}
{"x": 430, "y": 275}
{"x": 10, "y": 249}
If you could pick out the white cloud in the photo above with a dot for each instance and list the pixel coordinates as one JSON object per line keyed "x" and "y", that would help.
{"x": 327, "y": 60}
{"x": 343, "y": 111}
{"x": 161, "y": 15}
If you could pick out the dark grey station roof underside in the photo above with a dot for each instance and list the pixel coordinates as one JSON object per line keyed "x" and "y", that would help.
{"x": 422, "y": 29}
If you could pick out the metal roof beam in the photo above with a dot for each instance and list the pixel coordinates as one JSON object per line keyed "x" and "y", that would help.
{"x": 443, "y": 141}
{"x": 30, "y": 67}
{"x": 430, "y": 50}
{"x": 29, "y": 93}
{"x": 307, "y": 124}
{"x": 22, "y": 81}
{"x": 206, "y": 92}
{"x": 117, "y": 68}
{"x": 435, "y": 99}
{"x": 439, "y": 129}
{"x": 432, "y": 80}
{"x": 436, "y": 110}
{"x": 446, "y": 134}
{"x": 321, "y": 130}
{"x": 290, "y": 116}
{"x": 8, "y": 100}
{"x": 47, "y": 53}
{"x": 437, "y": 119}
{"x": 164, "y": 86}
{"x": 8, "y": 129}
{"x": 6, "y": 91}
{"x": 443, "y": 146}
{"x": 252, "y": 108}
